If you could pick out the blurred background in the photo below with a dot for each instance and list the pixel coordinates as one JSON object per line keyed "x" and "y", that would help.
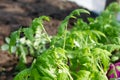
{"x": 20, "y": 13}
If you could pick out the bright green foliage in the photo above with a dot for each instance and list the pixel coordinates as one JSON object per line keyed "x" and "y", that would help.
{"x": 82, "y": 53}
{"x": 34, "y": 40}
{"x": 108, "y": 24}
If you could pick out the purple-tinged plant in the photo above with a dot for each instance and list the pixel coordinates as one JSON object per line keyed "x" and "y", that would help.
{"x": 114, "y": 71}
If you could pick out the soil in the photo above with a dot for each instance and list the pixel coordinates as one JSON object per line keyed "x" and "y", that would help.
{"x": 17, "y": 13}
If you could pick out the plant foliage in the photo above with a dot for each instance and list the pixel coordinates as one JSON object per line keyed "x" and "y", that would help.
{"x": 82, "y": 53}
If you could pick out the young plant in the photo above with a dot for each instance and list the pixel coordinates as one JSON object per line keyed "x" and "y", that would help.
{"x": 108, "y": 24}
{"x": 76, "y": 54}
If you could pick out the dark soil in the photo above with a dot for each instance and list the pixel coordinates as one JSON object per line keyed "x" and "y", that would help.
{"x": 17, "y": 13}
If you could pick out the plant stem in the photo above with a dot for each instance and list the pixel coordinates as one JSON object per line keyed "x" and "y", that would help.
{"x": 65, "y": 37}
{"x": 100, "y": 68}
{"x": 45, "y": 32}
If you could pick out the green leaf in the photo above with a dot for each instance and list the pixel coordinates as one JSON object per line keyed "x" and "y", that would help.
{"x": 7, "y": 40}
{"x": 13, "y": 49}
{"x": 45, "y": 72}
{"x": 114, "y": 58}
{"x": 38, "y": 22}
{"x": 28, "y": 33}
{"x": 23, "y": 75}
{"x": 14, "y": 37}
{"x": 73, "y": 14}
{"x": 35, "y": 74}
{"x": 83, "y": 75}
{"x": 23, "y": 53}
{"x": 5, "y": 47}
{"x": 99, "y": 76}
{"x": 62, "y": 76}
{"x": 118, "y": 68}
